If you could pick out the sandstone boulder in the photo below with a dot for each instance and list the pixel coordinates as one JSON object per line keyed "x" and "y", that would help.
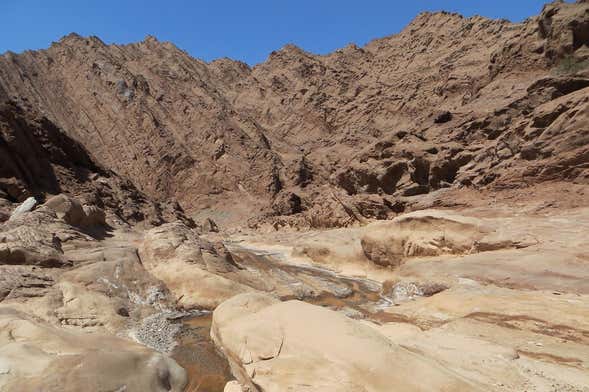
{"x": 420, "y": 234}
{"x": 67, "y": 208}
{"x": 35, "y": 356}
{"x": 71, "y": 211}
{"x": 190, "y": 267}
{"x": 280, "y": 346}
{"x": 429, "y": 233}
{"x": 28, "y": 239}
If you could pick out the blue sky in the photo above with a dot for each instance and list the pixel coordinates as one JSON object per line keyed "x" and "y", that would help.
{"x": 246, "y": 30}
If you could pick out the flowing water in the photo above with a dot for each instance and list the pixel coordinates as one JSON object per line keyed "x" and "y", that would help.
{"x": 208, "y": 370}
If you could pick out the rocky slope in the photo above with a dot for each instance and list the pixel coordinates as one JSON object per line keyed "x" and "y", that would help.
{"x": 39, "y": 160}
{"x": 449, "y": 101}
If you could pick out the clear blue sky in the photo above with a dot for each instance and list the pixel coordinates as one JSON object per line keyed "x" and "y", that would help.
{"x": 246, "y": 30}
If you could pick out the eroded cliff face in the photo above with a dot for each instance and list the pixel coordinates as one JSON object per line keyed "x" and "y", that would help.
{"x": 332, "y": 139}
{"x": 39, "y": 160}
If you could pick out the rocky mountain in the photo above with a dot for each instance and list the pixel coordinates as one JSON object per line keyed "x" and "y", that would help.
{"x": 449, "y": 101}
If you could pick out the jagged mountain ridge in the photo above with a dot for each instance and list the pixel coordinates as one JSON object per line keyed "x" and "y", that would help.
{"x": 349, "y": 133}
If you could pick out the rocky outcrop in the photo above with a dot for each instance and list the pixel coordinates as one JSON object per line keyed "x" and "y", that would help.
{"x": 31, "y": 239}
{"x": 432, "y": 233}
{"x": 277, "y": 346}
{"x": 188, "y": 132}
{"x": 36, "y": 154}
{"x": 73, "y": 213}
{"x": 53, "y": 266}
{"x": 557, "y": 37}
{"x": 54, "y": 275}
{"x": 564, "y": 27}
{"x": 35, "y": 355}
{"x": 191, "y": 267}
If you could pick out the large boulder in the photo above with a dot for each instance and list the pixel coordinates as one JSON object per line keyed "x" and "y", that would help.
{"x": 38, "y": 238}
{"x": 296, "y": 346}
{"x": 94, "y": 216}
{"x": 430, "y": 233}
{"x": 67, "y": 208}
{"x": 35, "y": 356}
{"x": 189, "y": 266}
{"x": 71, "y": 211}
{"x": 30, "y": 239}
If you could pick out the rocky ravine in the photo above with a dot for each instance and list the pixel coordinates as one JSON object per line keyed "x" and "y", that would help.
{"x": 492, "y": 298}
{"x": 411, "y": 215}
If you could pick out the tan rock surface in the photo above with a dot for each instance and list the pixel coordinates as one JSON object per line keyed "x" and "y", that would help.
{"x": 430, "y": 233}
{"x": 67, "y": 277}
{"x": 174, "y": 254}
{"x": 233, "y": 386}
{"x": 277, "y": 346}
{"x": 510, "y": 319}
{"x": 36, "y": 356}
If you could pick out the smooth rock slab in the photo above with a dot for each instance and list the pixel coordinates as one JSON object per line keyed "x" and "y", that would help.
{"x": 296, "y": 346}
{"x": 42, "y": 357}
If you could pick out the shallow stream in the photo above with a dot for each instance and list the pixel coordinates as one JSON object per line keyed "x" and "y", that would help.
{"x": 208, "y": 371}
